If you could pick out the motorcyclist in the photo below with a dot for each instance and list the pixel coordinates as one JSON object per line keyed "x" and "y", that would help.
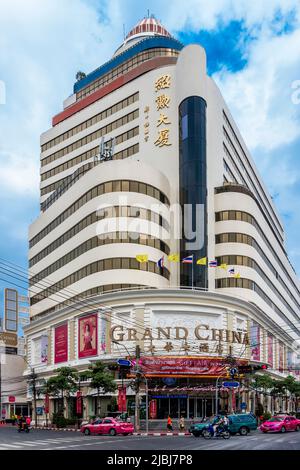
{"x": 217, "y": 424}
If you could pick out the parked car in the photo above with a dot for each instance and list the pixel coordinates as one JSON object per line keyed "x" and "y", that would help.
{"x": 238, "y": 423}
{"x": 109, "y": 426}
{"x": 280, "y": 423}
{"x": 242, "y": 423}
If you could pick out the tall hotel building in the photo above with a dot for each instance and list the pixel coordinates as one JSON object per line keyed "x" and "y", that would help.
{"x": 142, "y": 136}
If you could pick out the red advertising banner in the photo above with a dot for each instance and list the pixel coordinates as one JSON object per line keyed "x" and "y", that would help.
{"x": 183, "y": 366}
{"x": 87, "y": 336}
{"x": 79, "y": 403}
{"x": 61, "y": 343}
{"x": 122, "y": 399}
{"x": 270, "y": 350}
{"x": 46, "y": 404}
{"x": 153, "y": 409}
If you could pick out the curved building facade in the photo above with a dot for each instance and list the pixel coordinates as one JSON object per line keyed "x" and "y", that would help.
{"x": 146, "y": 160}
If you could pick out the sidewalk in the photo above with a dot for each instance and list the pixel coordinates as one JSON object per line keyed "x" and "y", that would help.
{"x": 141, "y": 433}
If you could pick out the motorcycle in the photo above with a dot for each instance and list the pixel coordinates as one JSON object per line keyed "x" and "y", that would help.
{"x": 222, "y": 431}
{"x": 24, "y": 427}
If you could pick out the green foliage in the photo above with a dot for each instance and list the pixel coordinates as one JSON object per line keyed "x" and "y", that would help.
{"x": 101, "y": 378}
{"x": 64, "y": 383}
{"x": 61, "y": 422}
{"x": 267, "y": 416}
{"x": 263, "y": 382}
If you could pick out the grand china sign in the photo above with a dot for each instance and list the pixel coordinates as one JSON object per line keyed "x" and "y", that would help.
{"x": 201, "y": 332}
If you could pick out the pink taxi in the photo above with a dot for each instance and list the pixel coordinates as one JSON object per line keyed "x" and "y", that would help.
{"x": 280, "y": 423}
{"x": 109, "y": 426}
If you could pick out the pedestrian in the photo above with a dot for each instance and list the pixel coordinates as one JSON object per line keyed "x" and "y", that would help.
{"x": 181, "y": 423}
{"x": 169, "y": 424}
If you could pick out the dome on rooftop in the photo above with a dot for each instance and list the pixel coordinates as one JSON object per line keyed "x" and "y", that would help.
{"x": 147, "y": 27}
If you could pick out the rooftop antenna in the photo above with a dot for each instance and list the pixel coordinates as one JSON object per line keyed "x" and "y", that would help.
{"x": 148, "y": 12}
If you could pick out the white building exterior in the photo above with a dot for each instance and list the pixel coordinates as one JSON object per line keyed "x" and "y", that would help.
{"x": 151, "y": 97}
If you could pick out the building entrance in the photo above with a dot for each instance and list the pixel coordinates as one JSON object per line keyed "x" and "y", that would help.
{"x": 184, "y": 405}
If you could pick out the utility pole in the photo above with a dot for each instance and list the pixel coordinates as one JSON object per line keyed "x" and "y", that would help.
{"x": 33, "y": 383}
{"x": 137, "y": 388}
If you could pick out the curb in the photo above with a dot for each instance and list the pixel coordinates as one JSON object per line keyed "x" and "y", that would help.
{"x": 156, "y": 434}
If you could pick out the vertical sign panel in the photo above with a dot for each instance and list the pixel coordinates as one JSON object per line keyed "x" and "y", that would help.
{"x": 11, "y": 310}
{"x": 87, "y": 336}
{"x": 255, "y": 342}
{"x": 61, "y": 344}
{"x": 270, "y": 350}
{"x": 103, "y": 323}
{"x": 281, "y": 357}
{"x": 44, "y": 349}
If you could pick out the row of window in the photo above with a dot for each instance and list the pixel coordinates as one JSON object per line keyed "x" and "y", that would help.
{"x": 103, "y": 131}
{"x": 245, "y": 217}
{"x": 229, "y": 172}
{"x": 99, "y": 190}
{"x": 101, "y": 240}
{"x": 248, "y": 240}
{"x": 124, "y": 68}
{"x": 89, "y": 154}
{"x": 99, "y": 266}
{"x": 65, "y": 182}
{"x": 269, "y": 219}
{"x": 257, "y": 182}
{"x": 88, "y": 293}
{"x": 114, "y": 211}
{"x": 91, "y": 122}
{"x": 69, "y": 180}
{"x": 249, "y": 284}
{"x": 128, "y": 152}
{"x": 239, "y": 260}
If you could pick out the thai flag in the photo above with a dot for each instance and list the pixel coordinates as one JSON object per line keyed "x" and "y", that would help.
{"x": 213, "y": 264}
{"x": 160, "y": 262}
{"x": 231, "y": 271}
{"x": 188, "y": 259}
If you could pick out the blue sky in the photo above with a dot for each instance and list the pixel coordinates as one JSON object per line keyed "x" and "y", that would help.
{"x": 253, "y": 54}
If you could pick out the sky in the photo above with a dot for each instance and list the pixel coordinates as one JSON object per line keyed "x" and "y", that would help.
{"x": 253, "y": 55}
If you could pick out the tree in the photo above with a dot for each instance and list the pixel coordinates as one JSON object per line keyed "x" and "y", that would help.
{"x": 80, "y": 75}
{"x": 102, "y": 379}
{"x": 263, "y": 383}
{"x": 63, "y": 384}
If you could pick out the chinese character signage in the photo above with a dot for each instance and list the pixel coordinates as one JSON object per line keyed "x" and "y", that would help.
{"x": 255, "y": 342}
{"x": 162, "y": 104}
{"x": 61, "y": 344}
{"x": 87, "y": 340}
{"x": 44, "y": 349}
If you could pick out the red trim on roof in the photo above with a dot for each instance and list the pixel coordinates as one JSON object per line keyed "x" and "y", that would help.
{"x": 117, "y": 83}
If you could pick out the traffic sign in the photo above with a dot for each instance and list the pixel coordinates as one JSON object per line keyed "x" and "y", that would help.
{"x": 243, "y": 405}
{"x": 231, "y": 384}
{"x": 123, "y": 362}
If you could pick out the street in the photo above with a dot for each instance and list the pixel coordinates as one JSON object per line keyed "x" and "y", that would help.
{"x": 10, "y": 439}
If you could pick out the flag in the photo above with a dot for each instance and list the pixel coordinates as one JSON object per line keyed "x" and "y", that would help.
{"x": 188, "y": 259}
{"x": 231, "y": 271}
{"x": 160, "y": 262}
{"x": 237, "y": 276}
{"x": 174, "y": 257}
{"x": 202, "y": 261}
{"x": 223, "y": 266}
{"x": 213, "y": 264}
{"x": 142, "y": 258}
